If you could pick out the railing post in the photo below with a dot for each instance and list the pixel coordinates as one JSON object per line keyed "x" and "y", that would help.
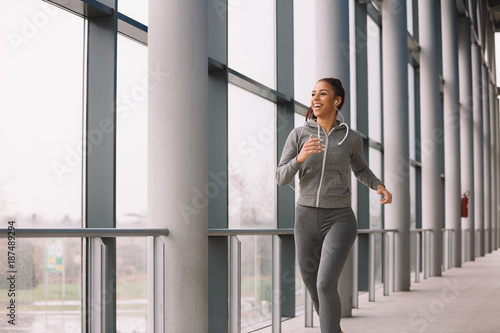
{"x": 385, "y": 271}
{"x": 394, "y": 268}
{"x": 445, "y": 249}
{"x": 424, "y": 254}
{"x": 235, "y": 285}
{"x": 371, "y": 268}
{"x": 417, "y": 256}
{"x": 308, "y": 309}
{"x": 97, "y": 292}
{"x": 355, "y": 268}
{"x": 276, "y": 285}
{"x": 158, "y": 283}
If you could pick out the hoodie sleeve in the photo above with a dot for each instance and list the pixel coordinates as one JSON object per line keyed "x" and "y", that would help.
{"x": 360, "y": 167}
{"x": 288, "y": 166}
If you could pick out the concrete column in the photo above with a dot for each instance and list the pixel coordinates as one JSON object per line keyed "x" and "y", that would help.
{"x": 177, "y": 156}
{"x": 431, "y": 134}
{"x": 396, "y": 142}
{"x": 332, "y": 60}
{"x": 477, "y": 122}
{"x": 485, "y": 231}
{"x": 466, "y": 137}
{"x": 449, "y": 24}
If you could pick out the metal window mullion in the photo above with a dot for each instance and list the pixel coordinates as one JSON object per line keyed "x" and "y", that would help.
{"x": 100, "y": 161}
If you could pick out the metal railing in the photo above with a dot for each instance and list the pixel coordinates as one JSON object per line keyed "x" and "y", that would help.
{"x": 235, "y": 272}
{"x": 387, "y": 250}
{"x": 98, "y": 279}
{"x": 423, "y": 236}
{"x": 448, "y": 248}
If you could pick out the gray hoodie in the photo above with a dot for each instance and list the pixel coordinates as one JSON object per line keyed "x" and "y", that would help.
{"x": 324, "y": 177}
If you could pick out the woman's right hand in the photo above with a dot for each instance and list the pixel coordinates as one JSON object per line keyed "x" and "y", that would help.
{"x": 312, "y": 146}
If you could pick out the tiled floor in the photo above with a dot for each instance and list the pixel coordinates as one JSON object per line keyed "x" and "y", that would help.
{"x": 465, "y": 299}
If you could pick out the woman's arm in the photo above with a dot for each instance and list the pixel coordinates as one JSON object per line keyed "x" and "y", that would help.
{"x": 364, "y": 174}
{"x": 288, "y": 166}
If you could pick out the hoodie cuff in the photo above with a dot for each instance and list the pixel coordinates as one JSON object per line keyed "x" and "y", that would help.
{"x": 376, "y": 184}
{"x": 295, "y": 164}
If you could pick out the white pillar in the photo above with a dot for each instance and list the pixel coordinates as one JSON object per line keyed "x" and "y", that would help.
{"x": 332, "y": 60}
{"x": 177, "y": 155}
{"x": 466, "y": 137}
{"x": 431, "y": 134}
{"x": 477, "y": 123}
{"x": 396, "y": 141}
{"x": 449, "y": 23}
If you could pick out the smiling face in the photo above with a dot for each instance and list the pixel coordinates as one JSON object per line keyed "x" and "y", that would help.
{"x": 323, "y": 99}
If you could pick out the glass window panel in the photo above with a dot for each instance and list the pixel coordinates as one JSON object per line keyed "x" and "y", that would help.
{"x": 136, "y": 9}
{"x": 375, "y": 157}
{"x": 251, "y": 39}
{"x": 374, "y": 81}
{"x": 131, "y": 134}
{"x": 256, "y": 282}
{"x": 131, "y": 282}
{"x": 41, "y": 117}
{"x": 48, "y": 293}
{"x": 304, "y": 50}
{"x": 252, "y": 162}
{"x": 409, "y": 16}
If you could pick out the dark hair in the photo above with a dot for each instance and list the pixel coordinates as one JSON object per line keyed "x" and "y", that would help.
{"x": 338, "y": 91}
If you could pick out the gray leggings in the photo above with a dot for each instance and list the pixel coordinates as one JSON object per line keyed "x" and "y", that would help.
{"x": 323, "y": 238}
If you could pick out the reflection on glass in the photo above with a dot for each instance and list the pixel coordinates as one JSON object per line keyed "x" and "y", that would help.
{"x": 374, "y": 81}
{"x": 252, "y": 162}
{"x": 251, "y": 39}
{"x": 304, "y": 50}
{"x": 47, "y": 286}
{"x": 256, "y": 282}
{"x": 135, "y": 9}
{"x": 131, "y": 282}
{"x": 131, "y": 134}
{"x": 41, "y": 115}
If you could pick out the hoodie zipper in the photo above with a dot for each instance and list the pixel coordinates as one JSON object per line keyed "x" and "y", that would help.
{"x": 323, "y": 166}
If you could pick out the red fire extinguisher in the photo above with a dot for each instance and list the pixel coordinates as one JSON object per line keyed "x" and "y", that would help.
{"x": 465, "y": 202}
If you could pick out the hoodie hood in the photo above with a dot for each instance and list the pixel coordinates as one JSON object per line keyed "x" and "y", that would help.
{"x": 313, "y": 123}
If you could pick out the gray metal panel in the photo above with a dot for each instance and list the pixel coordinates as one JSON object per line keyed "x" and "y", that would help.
{"x": 284, "y": 47}
{"x": 217, "y": 30}
{"x": 101, "y": 123}
{"x": 218, "y": 281}
{"x": 217, "y": 149}
{"x": 363, "y": 195}
{"x": 285, "y": 194}
{"x": 100, "y": 153}
{"x": 287, "y": 275}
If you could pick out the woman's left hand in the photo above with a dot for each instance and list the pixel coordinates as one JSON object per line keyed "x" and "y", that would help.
{"x": 387, "y": 196}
